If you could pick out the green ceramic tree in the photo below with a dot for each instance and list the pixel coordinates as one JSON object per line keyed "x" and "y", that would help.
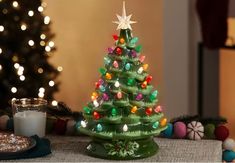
{"x": 122, "y": 116}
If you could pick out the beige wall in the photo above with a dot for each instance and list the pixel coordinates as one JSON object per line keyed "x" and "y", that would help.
{"x": 84, "y": 30}
{"x": 227, "y": 88}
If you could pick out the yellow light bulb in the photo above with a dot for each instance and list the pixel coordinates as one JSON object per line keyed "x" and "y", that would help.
{"x": 30, "y": 13}
{"x": 145, "y": 66}
{"x": 23, "y": 27}
{"x": 15, "y": 4}
{"x": 40, "y": 70}
{"x": 59, "y": 68}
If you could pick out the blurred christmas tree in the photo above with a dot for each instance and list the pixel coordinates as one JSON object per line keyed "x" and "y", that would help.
{"x": 25, "y": 47}
{"x": 123, "y": 114}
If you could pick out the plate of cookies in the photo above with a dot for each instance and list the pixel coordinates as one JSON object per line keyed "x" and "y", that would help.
{"x": 11, "y": 144}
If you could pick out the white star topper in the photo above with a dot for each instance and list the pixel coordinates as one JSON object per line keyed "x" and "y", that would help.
{"x": 124, "y": 21}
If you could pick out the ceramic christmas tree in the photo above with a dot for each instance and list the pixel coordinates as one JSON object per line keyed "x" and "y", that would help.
{"x": 123, "y": 115}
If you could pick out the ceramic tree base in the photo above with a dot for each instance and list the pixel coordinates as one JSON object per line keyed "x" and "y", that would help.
{"x": 122, "y": 149}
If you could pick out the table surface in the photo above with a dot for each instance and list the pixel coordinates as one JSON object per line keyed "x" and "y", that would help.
{"x": 72, "y": 149}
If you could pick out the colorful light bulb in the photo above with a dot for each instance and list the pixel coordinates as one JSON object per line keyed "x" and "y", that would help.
{"x": 83, "y": 124}
{"x": 96, "y": 104}
{"x": 138, "y": 48}
{"x": 118, "y": 51}
{"x": 122, "y": 40}
{"x": 133, "y": 54}
{"x": 110, "y": 50}
{"x": 114, "y": 112}
{"x": 145, "y": 66}
{"x": 108, "y": 76}
{"x": 102, "y": 88}
{"x": 155, "y": 125}
{"x": 149, "y": 78}
{"x": 107, "y": 60}
{"x": 117, "y": 84}
{"x": 139, "y": 96}
{"x": 101, "y": 81}
{"x": 144, "y": 84}
{"x": 148, "y": 111}
{"x": 134, "y": 40}
{"x": 99, "y": 127}
{"x": 115, "y": 37}
{"x": 130, "y": 81}
{"x": 96, "y": 115}
{"x": 125, "y": 128}
{"x": 115, "y": 64}
{"x": 142, "y": 58}
{"x": 128, "y": 66}
{"x": 102, "y": 71}
{"x": 134, "y": 109}
{"x": 105, "y": 97}
{"x": 163, "y": 122}
{"x": 119, "y": 95}
{"x": 87, "y": 110}
{"x": 97, "y": 85}
{"x": 158, "y": 109}
{"x": 140, "y": 70}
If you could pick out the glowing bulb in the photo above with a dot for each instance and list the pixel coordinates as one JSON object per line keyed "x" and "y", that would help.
{"x": 125, "y": 128}
{"x": 15, "y": 4}
{"x": 47, "y": 20}
{"x": 54, "y": 103}
{"x": 41, "y": 94}
{"x": 22, "y": 77}
{"x": 44, "y": 4}
{"x": 1, "y": 28}
{"x": 83, "y": 124}
{"x": 42, "y": 36}
{"x": 23, "y": 27}
{"x": 0, "y": 67}
{"x": 42, "y": 43}
{"x": 59, "y": 68}
{"x": 40, "y": 9}
{"x": 42, "y": 89}
{"x": 51, "y": 83}
{"x": 13, "y": 90}
{"x": 40, "y": 70}
{"x": 48, "y": 48}
{"x": 21, "y": 68}
{"x": 51, "y": 44}
{"x": 30, "y": 13}
{"x": 16, "y": 65}
{"x": 0, "y": 51}
{"x": 31, "y": 42}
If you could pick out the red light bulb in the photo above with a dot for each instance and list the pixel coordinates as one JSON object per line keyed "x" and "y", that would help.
{"x": 119, "y": 51}
{"x": 148, "y": 111}
{"x": 96, "y": 115}
{"x": 115, "y": 37}
{"x": 149, "y": 78}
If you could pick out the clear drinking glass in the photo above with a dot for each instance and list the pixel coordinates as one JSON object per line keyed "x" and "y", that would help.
{"x": 29, "y": 116}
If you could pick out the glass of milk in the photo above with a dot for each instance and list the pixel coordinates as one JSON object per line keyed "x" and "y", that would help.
{"x": 29, "y": 116}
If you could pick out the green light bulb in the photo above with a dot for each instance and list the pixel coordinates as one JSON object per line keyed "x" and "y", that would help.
{"x": 87, "y": 110}
{"x": 114, "y": 112}
{"x": 130, "y": 81}
{"x": 155, "y": 125}
{"x": 138, "y": 48}
{"x": 102, "y": 71}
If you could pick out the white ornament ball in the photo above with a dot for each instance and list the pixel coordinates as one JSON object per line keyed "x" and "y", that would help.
{"x": 3, "y": 122}
{"x": 195, "y": 130}
{"x": 70, "y": 128}
{"x": 229, "y": 144}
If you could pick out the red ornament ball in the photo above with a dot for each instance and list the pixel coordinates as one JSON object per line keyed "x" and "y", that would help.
{"x": 221, "y": 132}
{"x": 180, "y": 130}
{"x": 96, "y": 115}
{"x": 60, "y": 126}
{"x": 148, "y": 111}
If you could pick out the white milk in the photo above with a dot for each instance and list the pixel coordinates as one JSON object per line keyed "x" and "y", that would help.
{"x": 28, "y": 123}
